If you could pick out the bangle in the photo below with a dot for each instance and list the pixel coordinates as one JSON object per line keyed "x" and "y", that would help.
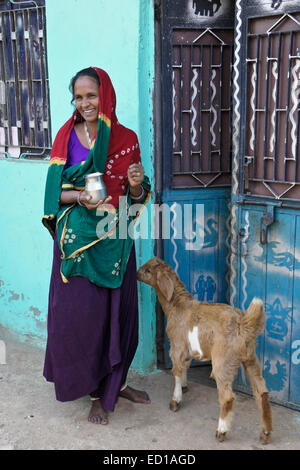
{"x": 78, "y": 198}
{"x": 140, "y": 196}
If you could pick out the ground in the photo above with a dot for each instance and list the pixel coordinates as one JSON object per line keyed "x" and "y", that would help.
{"x": 32, "y": 419}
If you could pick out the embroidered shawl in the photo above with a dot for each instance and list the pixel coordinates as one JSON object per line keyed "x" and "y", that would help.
{"x": 94, "y": 243}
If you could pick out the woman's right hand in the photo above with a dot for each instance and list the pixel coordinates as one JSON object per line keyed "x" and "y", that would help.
{"x": 84, "y": 199}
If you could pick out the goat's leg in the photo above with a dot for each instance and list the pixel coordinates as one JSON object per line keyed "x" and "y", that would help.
{"x": 180, "y": 377}
{"x": 226, "y": 400}
{"x": 184, "y": 376}
{"x": 261, "y": 395}
{"x": 184, "y": 381}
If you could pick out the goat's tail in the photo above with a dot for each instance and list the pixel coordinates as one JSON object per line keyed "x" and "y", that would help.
{"x": 253, "y": 322}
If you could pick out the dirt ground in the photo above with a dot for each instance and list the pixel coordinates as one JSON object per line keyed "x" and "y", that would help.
{"x": 32, "y": 419}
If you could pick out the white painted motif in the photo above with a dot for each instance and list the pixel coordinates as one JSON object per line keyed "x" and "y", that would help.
{"x": 296, "y": 354}
{"x": 213, "y": 109}
{"x": 173, "y": 210}
{"x": 295, "y": 94}
{"x": 194, "y": 112}
{"x": 252, "y": 104}
{"x": 235, "y": 142}
{"x": 274, "y": 98}
{"x": 244, "y": 258}
{"x": 174, "y": 109}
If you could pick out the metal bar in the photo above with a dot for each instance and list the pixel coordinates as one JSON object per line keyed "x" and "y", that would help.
{"x": 42, "y": 76}
{"x": 266, "y": 140}
{"x": 182, "y": 173}
{"x": 297, "y": 163}
{"x": 31, "y": 81}
{"x": 220, "y": 102}
{"x": 200, "y": 109}
{"x": 190, "y": 49}
{"x": 230, "y": 89}
{"x": 275, "y": 167}
{"x": 288, "y": 92}
{"x": 195, "y": 49}
{"x": 274, "y": 33}
{"x": 260, "y": 180}
{"x": 4, "y": 67}
{"x": 180, "y": 101}
{"x": 30, "y": 88}
{"x": 256, "y": 104}
{"x": 211, "y": 104}
{"x": 25, "y": 1}
{"x": 279, "y": 205}
{"x": 12, "y": 43}
{"x": 19, "y": 90}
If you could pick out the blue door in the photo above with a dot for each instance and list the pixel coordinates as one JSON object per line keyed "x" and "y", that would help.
{"x": 265, "y": 257}
{"x": 231, "y": 156}
{"x": 197, "y": 53}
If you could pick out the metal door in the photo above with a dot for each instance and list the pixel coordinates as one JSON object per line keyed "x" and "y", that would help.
{"x": 197, "y": 52}
{"x": 265, "y": 257}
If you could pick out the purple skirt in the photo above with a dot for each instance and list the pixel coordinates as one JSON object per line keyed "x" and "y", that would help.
{"x": 92, "y": 335}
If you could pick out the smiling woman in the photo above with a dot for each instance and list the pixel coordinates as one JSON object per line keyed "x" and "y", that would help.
{"x": 93, "y": 307}
{"x": 85, "y": 89}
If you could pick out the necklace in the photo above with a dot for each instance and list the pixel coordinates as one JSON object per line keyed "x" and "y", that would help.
{"x": 87, "y": 134}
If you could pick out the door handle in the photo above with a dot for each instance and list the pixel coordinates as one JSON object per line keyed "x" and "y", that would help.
{"x": 265, "y": 222}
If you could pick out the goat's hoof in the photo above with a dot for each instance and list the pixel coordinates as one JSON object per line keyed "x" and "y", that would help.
{"x": 265, "y": 437}
{"x": 220, "y": 436}
{"x": 185, "y": 389}
{"x": 174, "y": 406}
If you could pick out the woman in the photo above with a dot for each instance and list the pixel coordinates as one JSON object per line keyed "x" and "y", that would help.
{"x": 93, "y": 304}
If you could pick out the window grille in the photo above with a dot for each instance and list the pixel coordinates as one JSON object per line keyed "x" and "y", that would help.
{"x": 272, "y": 154}
{"x": 24, "y": 89}
{"x": 202, "y": 108}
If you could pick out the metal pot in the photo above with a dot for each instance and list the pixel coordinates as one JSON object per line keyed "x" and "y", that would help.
{"x": 95, "y": 187}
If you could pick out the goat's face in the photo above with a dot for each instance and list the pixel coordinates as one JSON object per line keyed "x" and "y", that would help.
{"x": 147, "y": 272}
{"x": 156, "y": 273}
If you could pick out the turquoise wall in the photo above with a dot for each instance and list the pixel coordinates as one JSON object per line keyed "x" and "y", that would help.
{"x": 25, "y": 249}
{"x": 118, "y": 37}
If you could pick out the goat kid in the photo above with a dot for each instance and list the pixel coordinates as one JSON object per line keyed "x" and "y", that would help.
{"x": 210, "y": 331}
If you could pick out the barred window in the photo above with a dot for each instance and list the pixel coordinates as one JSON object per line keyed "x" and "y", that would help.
{"x": 25, "y": 129}
{"x": 272, "y": 153}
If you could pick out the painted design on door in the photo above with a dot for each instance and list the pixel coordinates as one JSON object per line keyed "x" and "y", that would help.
{"x": 275, "y": 381}
{"x": 205, "y": 288}
{"x": 206, "y": 7}
{"x": 283, "y": 258}
{"x": 277, "y": 320}
{"x": 276, "y": 4}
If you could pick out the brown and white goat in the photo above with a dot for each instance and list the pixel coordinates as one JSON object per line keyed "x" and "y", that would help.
{"x": 210, "y": 331}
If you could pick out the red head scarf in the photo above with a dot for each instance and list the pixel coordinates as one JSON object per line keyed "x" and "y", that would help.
{"x": 123, "y": 147}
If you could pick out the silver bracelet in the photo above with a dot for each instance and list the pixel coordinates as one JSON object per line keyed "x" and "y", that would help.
{"x": 138, "y": 198}
{"x": 78, "y": 198}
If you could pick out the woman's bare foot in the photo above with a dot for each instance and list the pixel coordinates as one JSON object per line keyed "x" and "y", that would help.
{"x": 137, "y": 396}
{"x": 98, "y": 415}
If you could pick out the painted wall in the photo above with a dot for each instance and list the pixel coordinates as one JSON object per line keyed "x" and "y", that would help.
{"x": 118, "y": 37}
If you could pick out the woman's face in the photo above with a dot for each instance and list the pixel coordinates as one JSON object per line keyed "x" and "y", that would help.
{"x": 86, "y": 95}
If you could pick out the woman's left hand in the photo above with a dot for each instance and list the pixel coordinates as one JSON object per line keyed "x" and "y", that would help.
{"x": 135, "y": 174}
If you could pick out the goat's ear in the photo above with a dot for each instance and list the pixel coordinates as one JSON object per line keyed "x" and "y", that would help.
{"x": 165, "y": 285}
